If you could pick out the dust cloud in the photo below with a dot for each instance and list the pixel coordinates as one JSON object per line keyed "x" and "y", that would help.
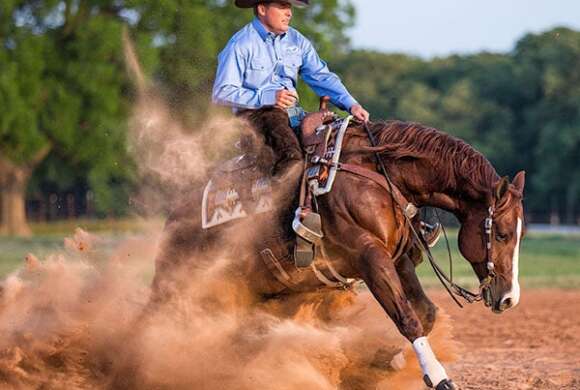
{"x": 74, "y": 321}
{"x": 78, "y": 318}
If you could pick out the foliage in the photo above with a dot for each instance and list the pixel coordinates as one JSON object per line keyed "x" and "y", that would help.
{"x": 63, "y": 88}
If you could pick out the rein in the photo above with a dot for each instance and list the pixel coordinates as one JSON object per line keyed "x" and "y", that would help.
{"x": 447, "y": 282}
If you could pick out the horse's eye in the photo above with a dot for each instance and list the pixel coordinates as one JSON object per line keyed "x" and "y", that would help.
{"x": 501, "y": 237}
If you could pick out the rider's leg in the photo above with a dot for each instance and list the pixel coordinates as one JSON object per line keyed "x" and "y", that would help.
{"x": 272, "y": 124}
{"x": 288, "y": 171}
{"x": 380, "y": 274}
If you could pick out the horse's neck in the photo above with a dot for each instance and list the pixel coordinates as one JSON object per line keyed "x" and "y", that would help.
{"x": 427, "y": 182}
{"x": 452, "y": 176}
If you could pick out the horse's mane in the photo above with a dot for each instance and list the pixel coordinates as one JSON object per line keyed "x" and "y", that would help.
{"x": 454, "y": 157}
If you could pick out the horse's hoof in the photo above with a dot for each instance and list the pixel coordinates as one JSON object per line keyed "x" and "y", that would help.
{"x": 446, "y": 384}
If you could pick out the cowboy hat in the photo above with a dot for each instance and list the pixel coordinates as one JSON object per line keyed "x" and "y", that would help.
{"x": 251, "y": 3}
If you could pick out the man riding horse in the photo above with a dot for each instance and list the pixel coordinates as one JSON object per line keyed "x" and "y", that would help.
{"x": 257, "y": 76}
{"x": 368, "y": 231}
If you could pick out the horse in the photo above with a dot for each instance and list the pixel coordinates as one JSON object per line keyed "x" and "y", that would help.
{"x": 365, "y": 234}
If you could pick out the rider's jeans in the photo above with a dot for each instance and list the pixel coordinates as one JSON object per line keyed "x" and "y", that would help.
{"x": 295, "y": 116}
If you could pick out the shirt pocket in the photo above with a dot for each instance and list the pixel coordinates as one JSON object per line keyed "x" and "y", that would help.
{"x": 292, "y": 65}
{"x": 257, "y": 72}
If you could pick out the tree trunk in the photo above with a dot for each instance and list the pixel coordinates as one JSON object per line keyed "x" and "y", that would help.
{"x": 13, "y": 210}
{"x": 13, "y": 182}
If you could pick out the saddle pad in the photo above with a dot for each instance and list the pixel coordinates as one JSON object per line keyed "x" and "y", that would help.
{"x": 234, "y": 193}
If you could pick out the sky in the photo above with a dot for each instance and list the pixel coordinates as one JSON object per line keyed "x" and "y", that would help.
{"x": 430, "y": 28}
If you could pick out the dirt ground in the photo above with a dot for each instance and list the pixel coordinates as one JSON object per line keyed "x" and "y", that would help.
{"x": 533, "y": 346}
{"x": 69, "y": 325}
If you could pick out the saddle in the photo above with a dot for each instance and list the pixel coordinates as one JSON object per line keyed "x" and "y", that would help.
{"x": 237, "y": 189}
{"x": 322, "y": 134}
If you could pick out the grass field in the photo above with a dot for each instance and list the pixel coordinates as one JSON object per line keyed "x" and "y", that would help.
{"x": 545, "y": 260}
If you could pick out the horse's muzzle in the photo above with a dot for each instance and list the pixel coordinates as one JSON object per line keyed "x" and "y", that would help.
{"x": 494, "y": 295}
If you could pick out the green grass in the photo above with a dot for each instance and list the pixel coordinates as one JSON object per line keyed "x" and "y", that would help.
{"x": 49, "y": 238}
{"x": 13, "y": 250}
{"x": 66, "y": 227}
{"x": 545, "y": 260}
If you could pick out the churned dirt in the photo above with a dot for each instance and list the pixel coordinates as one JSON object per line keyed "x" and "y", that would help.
{"x": 535, "y": 345}
{"x": 71, "y": 321}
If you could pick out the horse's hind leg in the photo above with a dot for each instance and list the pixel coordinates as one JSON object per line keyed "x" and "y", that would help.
{"x": 181, "y": 249}
{"x": 424, "y": 308}
{"x": 380, "y": 274}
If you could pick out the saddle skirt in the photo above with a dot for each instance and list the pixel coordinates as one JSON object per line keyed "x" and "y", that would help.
{"x": 237, "y": 189}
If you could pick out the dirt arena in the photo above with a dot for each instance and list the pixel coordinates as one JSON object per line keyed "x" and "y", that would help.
{"x": 534, "y": 346}
{"x": 68, "y": 322}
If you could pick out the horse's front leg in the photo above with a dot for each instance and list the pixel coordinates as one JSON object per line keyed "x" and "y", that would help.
{"x": 380, "y": 274}
{"x": 424, "y": 308}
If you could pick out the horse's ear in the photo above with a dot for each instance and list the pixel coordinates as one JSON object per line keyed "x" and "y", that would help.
{"x": 501, "y": 187}
{"x": 519, "y": 181}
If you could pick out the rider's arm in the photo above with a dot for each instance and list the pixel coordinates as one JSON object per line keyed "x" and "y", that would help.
{"x": 228, "y": 87}
{"x": 316, "y": 74}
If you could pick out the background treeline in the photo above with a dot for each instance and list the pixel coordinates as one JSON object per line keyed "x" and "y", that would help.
{"x": 65, "y": 97}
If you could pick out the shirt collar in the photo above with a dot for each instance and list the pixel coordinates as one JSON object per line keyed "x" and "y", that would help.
{"x": 261, "y": 29}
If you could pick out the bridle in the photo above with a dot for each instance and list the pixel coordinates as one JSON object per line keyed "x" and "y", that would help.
{"x": 485, "y": 286}
{"x": 485, "y": 291}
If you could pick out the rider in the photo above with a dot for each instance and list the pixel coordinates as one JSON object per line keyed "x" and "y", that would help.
{"x": 259, "y": 68}
{"x": 257, "y": 75}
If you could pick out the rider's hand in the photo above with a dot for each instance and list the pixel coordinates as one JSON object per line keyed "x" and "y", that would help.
{"x": 285, "y": 98}
{"x": 359, "y": 113}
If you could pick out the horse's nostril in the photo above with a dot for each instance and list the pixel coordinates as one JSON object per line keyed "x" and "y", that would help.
{"x": 506, "y": 303}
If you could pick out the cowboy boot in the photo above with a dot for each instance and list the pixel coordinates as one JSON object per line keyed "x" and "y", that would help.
{"x": 430, "y": 233}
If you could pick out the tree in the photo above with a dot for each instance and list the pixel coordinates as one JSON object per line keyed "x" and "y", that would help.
{"x": 22, "y": 144}
{"x": 62, "y": 87}
{"x": 551, "y": 118}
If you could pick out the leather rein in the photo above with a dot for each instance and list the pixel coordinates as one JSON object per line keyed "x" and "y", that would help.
{"x": 447, "y": 282}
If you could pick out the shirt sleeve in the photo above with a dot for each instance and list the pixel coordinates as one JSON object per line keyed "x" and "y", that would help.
{"x": 228, "y": 87}
{"x": 316, "y": 74}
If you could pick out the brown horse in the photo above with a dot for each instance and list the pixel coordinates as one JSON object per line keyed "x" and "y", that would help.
{"x": 364, "y": 231}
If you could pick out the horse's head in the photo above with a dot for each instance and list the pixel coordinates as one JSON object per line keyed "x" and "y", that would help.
{"x": 490, "y": 239}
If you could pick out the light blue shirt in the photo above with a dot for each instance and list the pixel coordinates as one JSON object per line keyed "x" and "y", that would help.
{"x": 255, "y": 64}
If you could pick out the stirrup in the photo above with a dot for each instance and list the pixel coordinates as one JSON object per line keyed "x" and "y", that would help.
{"x": 303, "y": 253}
{"x": 308, "y": 227}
